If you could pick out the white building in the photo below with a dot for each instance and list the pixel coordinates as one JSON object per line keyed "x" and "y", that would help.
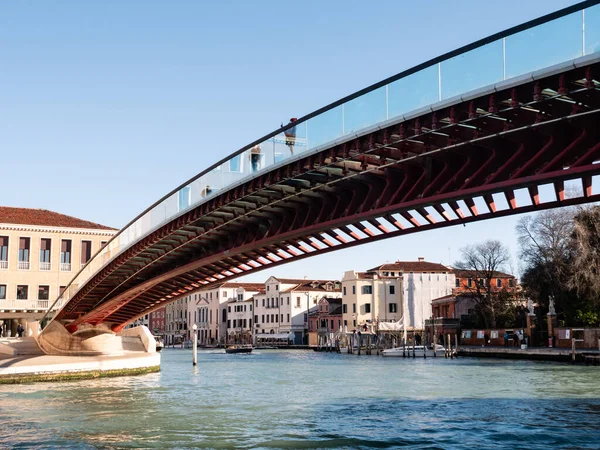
{"x": 281, "y": 311}
{"x": 390, "y": 292}
{"x": 209, "y": 310}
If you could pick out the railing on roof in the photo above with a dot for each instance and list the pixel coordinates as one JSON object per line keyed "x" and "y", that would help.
{"x": 561, "y": 36}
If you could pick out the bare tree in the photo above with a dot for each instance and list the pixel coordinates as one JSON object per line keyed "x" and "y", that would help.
{"x": 483, "y": 262}
{"x": 546, "y": 249}
{"x": 585, "y": 276}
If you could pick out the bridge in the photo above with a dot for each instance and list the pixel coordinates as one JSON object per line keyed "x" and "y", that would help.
{"x": 492, "y": 129}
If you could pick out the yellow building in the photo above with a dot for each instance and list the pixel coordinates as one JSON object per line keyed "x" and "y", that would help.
{"x": 40, "y": 252}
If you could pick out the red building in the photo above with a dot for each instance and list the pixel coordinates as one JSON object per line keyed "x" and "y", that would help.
{"x": 324, "y": 320}
{"x": 156, "y": 321}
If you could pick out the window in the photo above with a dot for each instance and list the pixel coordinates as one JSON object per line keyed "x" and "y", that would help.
{"x": 386, "y": 274}
{"x": 22, "y": 292}
{"x": 229, "y": 324}
{"x": 354, "y": 308}
{"x": 263, "y": 302}
{"x": 353, "y": 290}
{"x": 344, "y": 308}
{"x": 24, "y": 249}
{"x": 256, "y": 303}
{"x": 273, "y": 316}
{"x": 344, "y": 290}
{"x": 263, "y": 318}
{"x": 281, "y": 318}
{"x": 367, "y": 289}
{"x": 393, "y": 307}
{"x": 267, "y": 318}
{"x": 234, "y": 323}
{"x": 3, "y": 252}
{"x": 103, "y": 244}
{"x": 65, "y": 255}
{"x": 392, "y": 289}
{"x": 255, "y": 318}
{"x": 297, "y": 302}
{"x": 499, "y": 282}
{"x": 392, "y": 273}
{"x": 2, "y": 291}
{"x": 86, "y": 252}
{"x": 240, "y": 297}
{"x": 457, "y": 283}
{"x": 367, "y": 308}
{"x": 345, "y": 323}
{"x": 45, "y": 245}
{"x": 229, "y": 309}
{"x": 288, "y": 301}
{"x": 43, "y": 292}
{"x": 511, "y": 282}
{"x": 276, "y": 287}
{"x": 277, "y": 318}
{"x": 470, "y": 282}
{"x": 268, "y": 288}
{"x": 288, "y": 318}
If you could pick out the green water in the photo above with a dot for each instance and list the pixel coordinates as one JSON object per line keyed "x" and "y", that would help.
{"x": 303, "y": 399}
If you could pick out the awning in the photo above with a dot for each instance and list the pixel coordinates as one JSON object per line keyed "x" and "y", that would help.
{"x": 275, "y": 336}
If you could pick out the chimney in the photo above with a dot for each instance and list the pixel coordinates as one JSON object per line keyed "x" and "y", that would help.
{"x": 421, "y": 259}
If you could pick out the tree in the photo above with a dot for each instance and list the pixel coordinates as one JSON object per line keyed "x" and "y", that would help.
{"x": 585, "y": 277}
{"x": 561, "y": 252}
{"x": 545, "y": 241}
{"x": 483, "y": 262}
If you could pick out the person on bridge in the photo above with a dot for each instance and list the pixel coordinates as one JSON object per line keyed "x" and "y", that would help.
{"x": 254, "y": 157}
{"x": 290, "y": 136}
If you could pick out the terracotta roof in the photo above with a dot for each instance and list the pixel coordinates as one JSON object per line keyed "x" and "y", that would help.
{"x": 412, "y": 266}
{"x": 260, "y": 287}
{"x": 364, "y": 276}
{"x": 443, "y": 299}
{"x": 292, "y": 280}
{"x": 307, "y": 285}
{"x": 29, "y": 216}
{"x": 474, "y": 274}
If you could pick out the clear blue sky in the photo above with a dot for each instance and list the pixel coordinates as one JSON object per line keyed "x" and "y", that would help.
{"x": 106, "y": 106}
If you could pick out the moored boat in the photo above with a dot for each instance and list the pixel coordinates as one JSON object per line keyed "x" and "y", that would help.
{"x": 408, "y": 350}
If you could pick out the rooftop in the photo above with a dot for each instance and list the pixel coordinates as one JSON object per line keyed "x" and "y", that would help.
{"x": 29, "y": 216}
{"x": 412, "y": 266}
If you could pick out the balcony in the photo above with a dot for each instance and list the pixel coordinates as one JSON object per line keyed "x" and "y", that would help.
{"x": 23, "y": 265}
{"x": 45, "y": 265}
{"x": 4, "y": 265}
{"x": 22, "y": 305}
{"x": 65, "y": 267}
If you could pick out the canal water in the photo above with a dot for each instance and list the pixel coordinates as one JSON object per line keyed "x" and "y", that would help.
{"x": 303, "y": 399}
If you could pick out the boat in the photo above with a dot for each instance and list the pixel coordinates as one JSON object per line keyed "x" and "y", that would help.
{"x": 408, "y": 350}
{"x": 159, "y": 343}
{"x": 239, "y": 349}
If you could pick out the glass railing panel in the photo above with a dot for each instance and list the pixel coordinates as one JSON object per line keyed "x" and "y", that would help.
{"x": 413, "y": 92}
{"x": 324, "y": 128}
{"x": 172, "y": 205}
{"x": 592, "y": 30}
{"x": 545, "y": 45}
{"x": 234, "y": 170}
{"x": 472, "y": 70}
{"x": 158, "y": 214}
{"x": 212, "y": 182}
{"x": 364, "y": 111}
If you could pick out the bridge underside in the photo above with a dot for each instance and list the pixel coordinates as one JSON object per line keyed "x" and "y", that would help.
{"x": 442, "y": 168}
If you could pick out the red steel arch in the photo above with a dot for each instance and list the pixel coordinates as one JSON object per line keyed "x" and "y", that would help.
{"x": 406, "y": 177}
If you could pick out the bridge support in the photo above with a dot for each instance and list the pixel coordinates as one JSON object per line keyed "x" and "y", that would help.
{"x": 94, "y": 341}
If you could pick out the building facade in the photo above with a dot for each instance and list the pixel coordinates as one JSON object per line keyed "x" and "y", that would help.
{"x": 40, "y": 252}
{"x": 325, "y": 321}
{"x": 281, "y": 312}
{"x": 390, "y": 292}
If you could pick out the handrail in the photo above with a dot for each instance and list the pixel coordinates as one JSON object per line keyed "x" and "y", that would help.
{"x": 343, "y": 102}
